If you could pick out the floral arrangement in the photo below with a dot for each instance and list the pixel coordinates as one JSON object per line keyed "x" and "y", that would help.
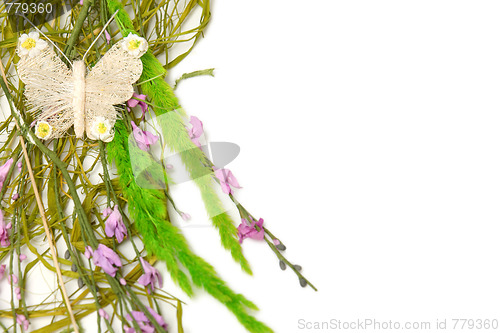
{"x": 83, "y": 171}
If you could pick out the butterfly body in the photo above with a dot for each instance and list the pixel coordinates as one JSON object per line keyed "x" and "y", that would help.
{"x": 60, "y": 98}
{"x": 79, "y": 97}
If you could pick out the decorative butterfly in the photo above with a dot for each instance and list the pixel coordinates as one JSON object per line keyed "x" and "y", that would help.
{"x": 60, "y": 98}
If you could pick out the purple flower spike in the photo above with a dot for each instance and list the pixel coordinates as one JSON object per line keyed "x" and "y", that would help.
{"x": 249, "y": 231}
{"x": 115, "y": 226}
{"x": 196, "y": 131}
{"x": 107, "y": 259}
{"x": 144, "y": 139}
{"x": 227, "y": 180}
{"x": 150, "y": 276}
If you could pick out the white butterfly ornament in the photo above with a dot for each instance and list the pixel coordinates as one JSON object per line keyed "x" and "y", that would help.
{"x": 60, "y": 98}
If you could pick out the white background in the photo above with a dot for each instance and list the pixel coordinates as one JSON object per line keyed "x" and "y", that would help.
{"x": 369, "y": 135}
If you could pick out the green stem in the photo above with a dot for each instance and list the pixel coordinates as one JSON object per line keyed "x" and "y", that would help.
{"x": 77, "y": 28}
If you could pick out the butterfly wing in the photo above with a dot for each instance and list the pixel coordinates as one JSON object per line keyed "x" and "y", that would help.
{"x": 110, "y": 82}
{"x": 48, "y": 89}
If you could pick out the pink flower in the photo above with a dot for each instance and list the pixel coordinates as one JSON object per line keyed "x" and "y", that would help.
{"x": 22, "y": 321}
{"x": 4, "y": 234}
{"x": 2, "y": 271}
{"x": 81, "y": 2}
{"x": 108, "y": 37}
{"x": 22, "y": 257}
{"x": 103, "y": 314}
{"x": 142, "y": 321}
{"x": 19, "y": 166}
{"x": 123, "y": 282}
{"x": 185, "y": 216}
{"x": 15, "y": 196}
{"x": 4, "y": 170}
{"x": 249, "y": 231}
{"x": 196, "y": 131}
{"x": 137, "y": 315}
{"x": 127, "y": 329}
{"x": 157, "y": 317}
{"x": 145, "y": 325}
{"x": 150, "y": 277}
{"x": 106, "y": 212}
{"x": 107, "y": 259}
{"x": 144, "y": 139}
{"x": 226, "y": 178}
{"x": 138, "y": 99}
{"x": 17, "y": 291}
{"x": 12, "y": 278}
{"x": 88, "y": 252}
{"x": 115, "y": 226}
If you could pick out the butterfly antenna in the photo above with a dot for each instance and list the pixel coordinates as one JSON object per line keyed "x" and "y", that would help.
{"x": 51, "y": 42}
{"x": 102, "y": 31}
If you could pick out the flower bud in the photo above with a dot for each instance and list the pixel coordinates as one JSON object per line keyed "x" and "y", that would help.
{"x": 281, "y": 247}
